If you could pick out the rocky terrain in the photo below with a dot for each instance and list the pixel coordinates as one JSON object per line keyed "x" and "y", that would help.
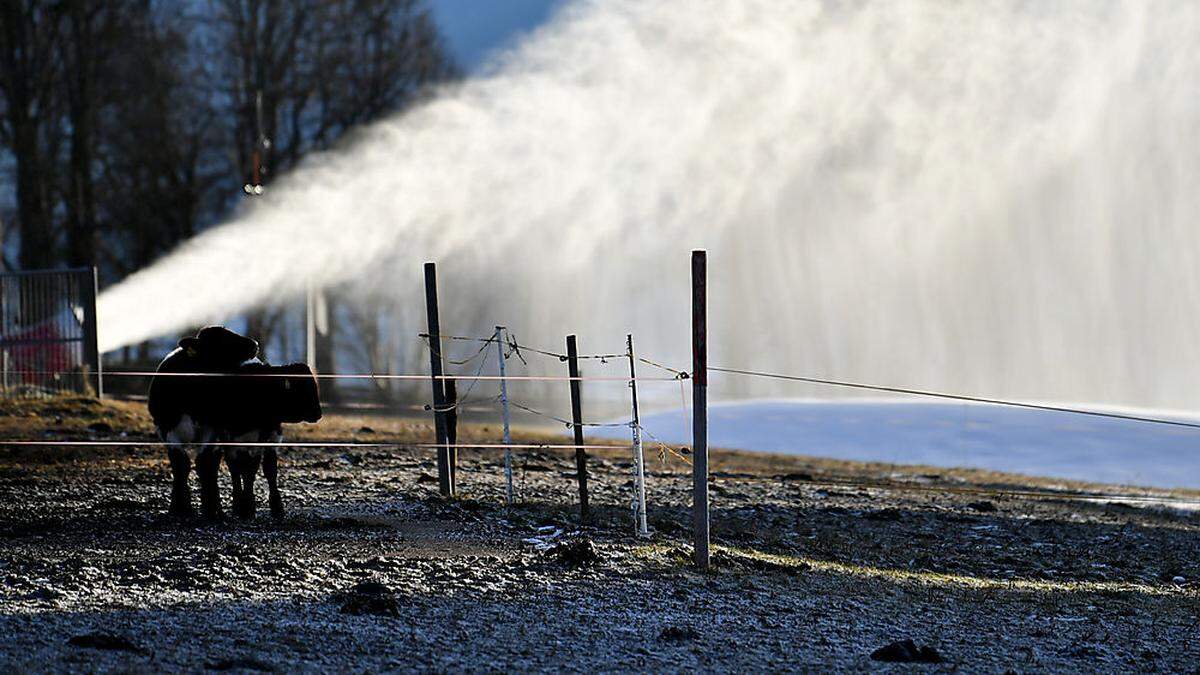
{"x": 819, "y": 565}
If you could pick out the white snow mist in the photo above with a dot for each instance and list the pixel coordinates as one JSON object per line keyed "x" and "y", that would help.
{"x": 990, "y": 197}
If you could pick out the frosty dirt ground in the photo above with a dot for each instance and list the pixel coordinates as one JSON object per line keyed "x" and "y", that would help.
{"x": 372, "y": 571}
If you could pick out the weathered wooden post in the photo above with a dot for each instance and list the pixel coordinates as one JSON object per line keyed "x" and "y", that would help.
{"x": 577, "y": 426}
{"x": 700, "y": 408}
{"x": 508, "y": 475}
{"x": 639, "y": 461}
{"x": 444, "y": 458}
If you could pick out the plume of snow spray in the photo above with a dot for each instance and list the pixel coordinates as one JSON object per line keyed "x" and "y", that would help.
{"x": 994, "y": 197}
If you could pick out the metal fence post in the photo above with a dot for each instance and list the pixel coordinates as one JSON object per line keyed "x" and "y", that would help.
{"x": 639, "y": 461}
{"x": 508, "y": 473}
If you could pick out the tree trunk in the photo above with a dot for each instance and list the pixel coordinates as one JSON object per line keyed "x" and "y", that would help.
{"x": 24, "y": 70}
{"x": 81, "y": 201}
{"x": 34, "y": 225}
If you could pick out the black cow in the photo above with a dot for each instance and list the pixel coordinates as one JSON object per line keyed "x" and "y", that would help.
{"x": 247, "y": 401}
{"x": 175, "y": 400}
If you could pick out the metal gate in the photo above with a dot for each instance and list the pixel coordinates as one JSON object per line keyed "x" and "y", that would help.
{"x": 48, "y": 333}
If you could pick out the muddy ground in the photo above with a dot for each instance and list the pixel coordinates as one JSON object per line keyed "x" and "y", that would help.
{"x": 818, "y": 563}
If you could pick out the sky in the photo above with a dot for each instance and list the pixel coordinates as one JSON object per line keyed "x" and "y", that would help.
{"x": 474, "y": 28}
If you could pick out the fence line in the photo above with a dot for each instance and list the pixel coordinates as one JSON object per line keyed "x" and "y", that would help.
{"x": 381, "y": 376}
{"x": 959, "y": 397}
{"x": 312, "y": 444}
{"x": 877, "y": 485}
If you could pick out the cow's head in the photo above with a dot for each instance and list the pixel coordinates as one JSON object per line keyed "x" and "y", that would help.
{"x": 301, "y": 399}
{"x": 220, "y": 346}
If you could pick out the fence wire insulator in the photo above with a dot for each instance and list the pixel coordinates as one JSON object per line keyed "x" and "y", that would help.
{"x": 514, "y": 349}
{"x": 679, "y": 374}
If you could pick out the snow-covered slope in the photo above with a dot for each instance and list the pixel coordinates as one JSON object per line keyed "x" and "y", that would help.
{"x": 960, "y": 435}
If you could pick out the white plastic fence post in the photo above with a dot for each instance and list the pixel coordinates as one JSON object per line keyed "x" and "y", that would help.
{"x": 638, "y": 460}
{"x": 508, "y": 475}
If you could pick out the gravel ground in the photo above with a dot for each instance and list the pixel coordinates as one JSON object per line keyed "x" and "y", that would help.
{"x": 818, "y": 564}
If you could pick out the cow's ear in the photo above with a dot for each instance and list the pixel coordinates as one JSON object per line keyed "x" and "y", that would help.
{"x": 189, "y": 345}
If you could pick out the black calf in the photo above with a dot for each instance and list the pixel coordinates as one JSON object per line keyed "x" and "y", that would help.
{"x": 256, "y": 413}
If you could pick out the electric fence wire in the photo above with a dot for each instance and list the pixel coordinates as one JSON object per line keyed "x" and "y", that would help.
{"x": 568, "y": 423}
{"x": 958, "y": 397}
{"x": 679, "y": 374}
{"x": 456, "y": 362}
{"x": 460, "y": 401}
{"x": 516, "y": 348}
{"x": 1051, "y": 495}
{"x": 303, "y": 444}
{"x": 664, "y": 448}
{"x": 370, "y": 376}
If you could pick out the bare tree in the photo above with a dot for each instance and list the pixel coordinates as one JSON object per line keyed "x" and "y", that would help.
{"x": 302, "y": 73}
{"x": 129, "y": 125}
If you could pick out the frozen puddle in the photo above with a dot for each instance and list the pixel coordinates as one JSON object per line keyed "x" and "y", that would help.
{"x": 1032, "y": 442}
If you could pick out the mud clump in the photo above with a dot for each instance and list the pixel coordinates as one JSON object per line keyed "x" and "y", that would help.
{"x": 906, "y": 651}
{"x": 371, "y": 598}
{"x": 678, "y": 634}
{"x": 250, "y": 664}
{"x": 106, "y": 642}
{"x": 574, "y": 553}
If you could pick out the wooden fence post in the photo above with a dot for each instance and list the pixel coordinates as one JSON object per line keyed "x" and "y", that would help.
{"x": 700, "y": 408}
{"x": 577, "y": 426}
{"x": 444, "y": 458}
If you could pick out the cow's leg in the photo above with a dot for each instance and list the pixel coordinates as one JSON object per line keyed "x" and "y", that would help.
{"x": 271, "y": 473}
{"x": 249, "y": 471}
{"x": 233, "y": 460}
{"x": 181, "y": 496}
{"x": 208, "y": 464}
